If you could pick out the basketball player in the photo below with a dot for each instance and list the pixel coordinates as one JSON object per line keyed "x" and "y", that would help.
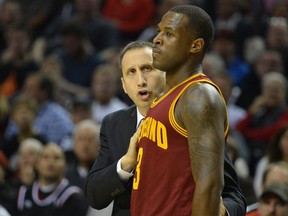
{"x": 181, "y": 143}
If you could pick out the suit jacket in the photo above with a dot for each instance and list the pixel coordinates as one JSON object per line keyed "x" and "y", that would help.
{"x": 104, "y": 185}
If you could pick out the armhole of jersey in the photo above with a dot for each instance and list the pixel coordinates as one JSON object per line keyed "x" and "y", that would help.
{"x": 172, "y": 119}
{"x": 171, "y": 115}
{"x": 158, "y": 100}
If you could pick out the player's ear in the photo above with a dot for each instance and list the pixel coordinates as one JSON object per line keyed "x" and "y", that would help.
{"x": 123, "y": 85}
{"x": 197, "y": 45}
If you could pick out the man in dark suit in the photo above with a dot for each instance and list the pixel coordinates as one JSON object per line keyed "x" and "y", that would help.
{"x": 110, "y": 177}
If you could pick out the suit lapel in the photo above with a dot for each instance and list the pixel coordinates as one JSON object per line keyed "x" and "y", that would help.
{"x": 127, "y": 128}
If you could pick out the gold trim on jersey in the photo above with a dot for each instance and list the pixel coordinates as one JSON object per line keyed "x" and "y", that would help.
{"x": 171, "y": 115}
{"x": 159, "y": 99}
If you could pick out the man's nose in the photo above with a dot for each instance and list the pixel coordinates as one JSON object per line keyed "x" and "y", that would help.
{"x": 157, "y": 39}
{"x": 141, "y": 80}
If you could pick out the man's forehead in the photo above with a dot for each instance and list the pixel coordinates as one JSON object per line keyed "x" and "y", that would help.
{"x": 172, "y": 20}
{"x": 138, "y": 56}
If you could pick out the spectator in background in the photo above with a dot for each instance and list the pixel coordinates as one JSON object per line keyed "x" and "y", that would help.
{"x": 80, "y": 109}
{"x": 273, "y": 201}
{"x": 104, "y": 86}
{"x": 228, "y": 15}
{"x": 252, "y": 24}
{"x": 253, "y": 48}
{"x": 64, "y": 91}
{"x": 277, "y": 36}
{"x": 102, "y": 32}
{"x": 224, "y": 81}
{"x": 111, "y": 56}
{"x": 277, "y": 8}
{"x": 224, "y": 45}
{"x": 265, "y": 117}
{"x": 53, "y": 121}
{"x": 240, "y": 164}
{"x": 241, "y": 168}
{"x": 215, "y": 67}
{"x": 77, "y": 56}
{"x": 277, "y": 151}
{"x": 150, "y": 31}
{"x": 51, "y": 193}
{"x": 37, "y": 14}
{"x": 23, "y": 113}
{"x": 24, "y": 164}
{"x": 10, "y": 15}
{"x": 86, "y": 148}
{"x": 213, "y": 63}
{"x": 257, "y": 20}
{"x": 268, "y": 60}
{"x": 16, "y": 61}
{"x": 7, "y": 191}
{"x": 49, "y": 40}
{"x": 274, "y": 173}
{"x": 131, "y": 19}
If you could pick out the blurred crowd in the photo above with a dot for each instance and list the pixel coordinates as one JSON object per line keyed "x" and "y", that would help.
{"x": 59, "y": 77}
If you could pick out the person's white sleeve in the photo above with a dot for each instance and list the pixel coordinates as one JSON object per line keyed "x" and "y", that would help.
{"x": 125, "y": 176}
{"x": 227, "y": 212}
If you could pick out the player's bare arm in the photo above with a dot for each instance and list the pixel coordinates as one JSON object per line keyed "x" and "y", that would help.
{"x": 201, "y": 112}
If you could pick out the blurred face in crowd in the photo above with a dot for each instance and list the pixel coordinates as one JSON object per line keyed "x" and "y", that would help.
{"x": 272, "y": 205}
{"x": 267, "y": 62}
{"x": 51, "y": 164}
{"x": 18, "y": 41}
{"x": 274, "y": 93}
{"x": 31, "y": 87}
{"x": 140, "y": 80}
{"x": 277, "y": 33}
{"x": 10, "y": 12}
{"x": 279, "y": 9}
{"x": 28, "y": 155}
{"x": 86, "y": 145}
{"x": 104, "y": 84}
{"x": 80, "y": 112}
{"x": 225, "y": 9}
{"x": 23, "y": 116}
{"x": 225, "y": 47}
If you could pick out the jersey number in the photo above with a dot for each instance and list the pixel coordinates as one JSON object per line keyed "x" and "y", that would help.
{"x": 136, "y": 179}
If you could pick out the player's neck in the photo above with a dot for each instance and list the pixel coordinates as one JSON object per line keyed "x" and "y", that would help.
{"x": 178, "y": 77}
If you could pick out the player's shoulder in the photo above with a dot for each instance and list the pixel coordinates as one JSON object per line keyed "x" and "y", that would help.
{"x": 199, "y": 90}
{"x": 201, "y": 96}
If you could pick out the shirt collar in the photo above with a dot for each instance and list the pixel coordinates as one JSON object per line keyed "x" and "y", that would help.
{"x": 139, "y": 118}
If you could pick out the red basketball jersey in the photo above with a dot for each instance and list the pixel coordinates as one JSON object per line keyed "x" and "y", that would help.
{"x": 163, "y": 184}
